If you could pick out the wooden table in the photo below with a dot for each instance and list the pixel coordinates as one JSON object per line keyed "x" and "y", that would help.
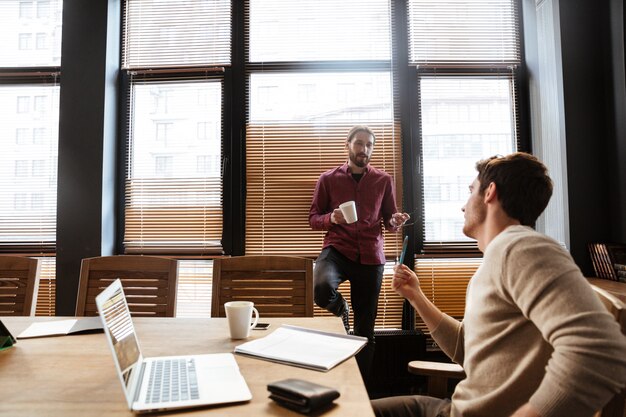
{"x": 75, "y": 375}
{"x": 616, "y": 288}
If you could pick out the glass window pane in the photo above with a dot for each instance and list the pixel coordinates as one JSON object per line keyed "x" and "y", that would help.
{"x": 464, "y": 119}
{"x": 311, "y": 97}
{"x": 171, "y": 205}
{"x": 28, "y": 167}
{"x": 310, "y": 30}
{"x": 30, "y": 33}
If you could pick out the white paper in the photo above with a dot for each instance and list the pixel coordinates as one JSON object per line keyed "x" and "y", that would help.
{"x": 47, "y": 328}
{"x": 304, "y": 347}
{"x": 60, "y": 327}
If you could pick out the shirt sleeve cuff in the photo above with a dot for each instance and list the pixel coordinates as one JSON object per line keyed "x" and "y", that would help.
{"x": 327, "y": 222}
{"x": 551, "y": 399}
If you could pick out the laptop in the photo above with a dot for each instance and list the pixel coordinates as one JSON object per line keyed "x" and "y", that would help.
{"x": 167, "y": 382}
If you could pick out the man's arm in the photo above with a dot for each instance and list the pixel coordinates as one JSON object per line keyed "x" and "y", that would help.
{"x": 587, "y": 365}
{"x": 392, "y": 218}
{"x": 447, "y": 331}
{"x": 319, "y": 214}
{"x": 526, "y": 410}
{"x": 406, "y": 283}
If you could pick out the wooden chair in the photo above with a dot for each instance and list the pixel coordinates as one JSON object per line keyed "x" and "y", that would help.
{"x": 19, "y": 284}
{"x": 279, "y": 286}
{"x": 439, "y": 373}
{"x": 149, "y": 283}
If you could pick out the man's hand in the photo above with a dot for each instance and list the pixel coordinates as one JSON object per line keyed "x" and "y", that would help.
{"x": 405, "y": 282}
{"x": 398, "y": 219}
{"x": 336, "y": 217}
{"x": 526, "y": 411}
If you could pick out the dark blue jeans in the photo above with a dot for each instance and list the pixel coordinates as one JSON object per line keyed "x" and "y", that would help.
{"x": 331, "y": 269}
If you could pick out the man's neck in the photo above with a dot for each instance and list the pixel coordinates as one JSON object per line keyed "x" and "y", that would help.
{"x": 493, "y": 226}
{"x": 354, "y": 169}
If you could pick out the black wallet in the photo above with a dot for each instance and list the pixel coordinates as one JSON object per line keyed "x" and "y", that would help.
{"x": 301, "y": 396}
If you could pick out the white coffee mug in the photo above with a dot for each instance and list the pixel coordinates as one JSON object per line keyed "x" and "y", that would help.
{"x": 239, "y": 314}
{"x": 349, "y": 211}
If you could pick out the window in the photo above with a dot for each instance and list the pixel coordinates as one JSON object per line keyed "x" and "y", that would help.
{"x": 175, "y": 70}
{"x": 23, "y": 104}
{"x": 278, "y": 114}
{"x": 25, "y": 41}
{"x": 466, "y": 59}
{"x": 311, "y": 78}
{"x": 41, "y": 40}
{"x": 29, "y": 97}
{"x": 22, "y": 136}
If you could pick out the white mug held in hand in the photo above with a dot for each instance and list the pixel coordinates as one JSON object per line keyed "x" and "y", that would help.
{"x": 239, "y": 314}
{"x": 348, "y": 209}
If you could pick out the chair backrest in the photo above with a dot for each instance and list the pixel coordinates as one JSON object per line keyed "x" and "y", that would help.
{"x": 617, "y": 406}
{"x": 19, "y": 284}
{"x": 279, "y": 286}
{"x": 149, "y": 283}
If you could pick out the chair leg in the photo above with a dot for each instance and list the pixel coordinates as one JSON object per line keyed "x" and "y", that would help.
{"x": 438, "y": 386}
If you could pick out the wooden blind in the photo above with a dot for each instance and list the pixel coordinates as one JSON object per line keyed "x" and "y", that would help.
{"x": 444, "y": 281}
{"x": 389, "y": 303}
{"x": 283, "y": 164}
{"x": 47, "y": 287}
{"x": 164, "y": 33}
{"x": 193, "y": 297}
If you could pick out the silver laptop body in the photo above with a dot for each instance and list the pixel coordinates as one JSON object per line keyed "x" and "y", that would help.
{"x": 168, "y": 382}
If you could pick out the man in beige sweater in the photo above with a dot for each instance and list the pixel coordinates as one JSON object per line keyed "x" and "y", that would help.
{"x": 535, "y": 340}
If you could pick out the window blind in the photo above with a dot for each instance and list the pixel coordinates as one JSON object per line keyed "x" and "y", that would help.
{"x": 444, "y": 282}
{"x": 463, "y": 32}
{"x": 389, "y": 303}
{"x": 318, "y": 30}
{"x": 284, "y": 162}
{"x": 164, "y": 33}
{"x": 47, "y": 287}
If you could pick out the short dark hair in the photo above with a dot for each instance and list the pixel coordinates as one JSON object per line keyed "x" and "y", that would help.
{"x": 522, "y": 182}
{"x": 360, "y": 128}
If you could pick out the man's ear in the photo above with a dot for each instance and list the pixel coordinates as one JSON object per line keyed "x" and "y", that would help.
{"x": 491, "y": 193}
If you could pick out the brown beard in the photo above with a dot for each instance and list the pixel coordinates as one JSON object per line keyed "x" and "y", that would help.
{"x": 355, "y": 161}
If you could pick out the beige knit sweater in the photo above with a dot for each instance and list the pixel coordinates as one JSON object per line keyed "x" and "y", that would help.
{"x": 533, "y": 331}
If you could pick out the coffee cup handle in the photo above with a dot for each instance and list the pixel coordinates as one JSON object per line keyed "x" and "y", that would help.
{"x": 256, "y": 318}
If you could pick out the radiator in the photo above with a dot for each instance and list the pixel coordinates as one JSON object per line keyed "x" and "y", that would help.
{"x": 394, "y": 350}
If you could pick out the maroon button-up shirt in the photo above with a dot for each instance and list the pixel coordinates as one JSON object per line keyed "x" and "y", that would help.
{"x": 361, "y": 241}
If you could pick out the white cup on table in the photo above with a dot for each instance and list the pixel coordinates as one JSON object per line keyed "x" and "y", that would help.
{"x": 239, "y": 315}
{"x": 348, "y": 209}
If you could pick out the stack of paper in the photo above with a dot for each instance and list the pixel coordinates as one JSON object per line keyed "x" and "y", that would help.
{"x": 304, "y": 347}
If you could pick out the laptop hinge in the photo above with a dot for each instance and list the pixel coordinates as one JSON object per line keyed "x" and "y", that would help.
{"x": 140, "y": 378}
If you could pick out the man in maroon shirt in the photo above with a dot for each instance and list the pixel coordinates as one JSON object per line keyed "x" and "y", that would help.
{"x": 354, "y": 251}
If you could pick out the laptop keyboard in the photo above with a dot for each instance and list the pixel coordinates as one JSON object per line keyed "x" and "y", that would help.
{"x": 172, "y": 380}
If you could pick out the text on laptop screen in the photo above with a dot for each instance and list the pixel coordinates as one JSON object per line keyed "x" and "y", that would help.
{"x": 117, "y": 319}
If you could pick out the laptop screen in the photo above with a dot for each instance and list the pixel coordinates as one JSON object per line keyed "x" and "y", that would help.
{"x": 116, "y": 318}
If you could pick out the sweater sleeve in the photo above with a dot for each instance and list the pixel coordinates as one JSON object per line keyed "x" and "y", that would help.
{"x": 449, "y": 336}
{"x": 588, "y": 364}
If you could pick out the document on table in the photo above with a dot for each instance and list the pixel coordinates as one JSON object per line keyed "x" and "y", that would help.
{"x": 307, "y": 348}
{"x": 61, "y": 327}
